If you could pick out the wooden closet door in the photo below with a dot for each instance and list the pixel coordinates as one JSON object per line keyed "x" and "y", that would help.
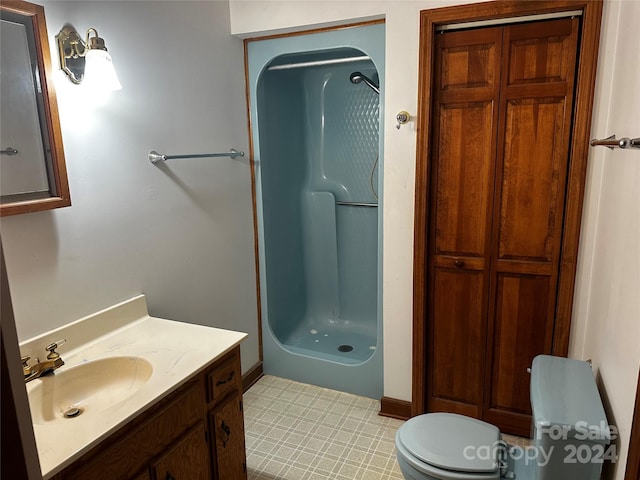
{"x": 536, "y": 106}
{"x": 464, "y": 139}
{"x": 503, "y": 104}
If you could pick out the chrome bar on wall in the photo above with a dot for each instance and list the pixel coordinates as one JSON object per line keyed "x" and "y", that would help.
{"x": 611, "y": 142}
{"x": 155, "y": 157}
{"x": 358, "y": 204}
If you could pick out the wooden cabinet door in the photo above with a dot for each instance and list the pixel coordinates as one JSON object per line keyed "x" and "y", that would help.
{"x": 502, "y": 106}
{"x": 227, "y": 425}
{"x": 536, "y": 107}
{"x": 187, "y": 460}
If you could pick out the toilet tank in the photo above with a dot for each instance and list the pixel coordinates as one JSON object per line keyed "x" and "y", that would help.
{"x": 570, "y": 428}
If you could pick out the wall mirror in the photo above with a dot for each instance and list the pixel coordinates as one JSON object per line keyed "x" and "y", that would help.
{"x": 33, "y": 174}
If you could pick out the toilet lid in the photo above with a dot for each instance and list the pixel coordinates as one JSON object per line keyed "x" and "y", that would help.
{"x": 452, "y": 442}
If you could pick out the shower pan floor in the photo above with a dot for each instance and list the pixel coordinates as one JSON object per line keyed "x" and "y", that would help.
{"x": 332, "y": 343}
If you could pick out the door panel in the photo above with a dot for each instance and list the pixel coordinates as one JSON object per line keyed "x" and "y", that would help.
{"x": 521, "y": 318}
{"x": 533, "y": 173}
{"x": 468, "y": 61}
{"x": 458, "y": 348}
{"x": 462, "y": 188}
{"x": 463, "y": 179}
{"x": 542, "y": 53}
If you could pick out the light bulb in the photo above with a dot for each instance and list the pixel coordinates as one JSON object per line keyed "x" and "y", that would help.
{"x": 99, "y": 73}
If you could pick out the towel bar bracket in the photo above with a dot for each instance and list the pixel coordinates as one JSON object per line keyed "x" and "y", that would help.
{"x": 611, "y": 142}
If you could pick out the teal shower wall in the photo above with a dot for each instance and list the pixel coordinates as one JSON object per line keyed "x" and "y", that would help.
{"x": 317, "y": 143}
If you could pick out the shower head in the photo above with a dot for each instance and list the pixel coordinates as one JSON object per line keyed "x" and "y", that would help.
{"x": 357, "y": 77}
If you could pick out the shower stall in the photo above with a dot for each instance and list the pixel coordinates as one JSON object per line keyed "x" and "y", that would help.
{"x": 315, "y": 111}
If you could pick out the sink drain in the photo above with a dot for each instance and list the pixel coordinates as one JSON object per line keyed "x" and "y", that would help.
{"x": 345, "y": 348}
{"x": 72, "y": 412}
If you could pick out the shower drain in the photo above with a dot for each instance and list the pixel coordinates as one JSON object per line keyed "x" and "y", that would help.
{"x": 345, "y": 348}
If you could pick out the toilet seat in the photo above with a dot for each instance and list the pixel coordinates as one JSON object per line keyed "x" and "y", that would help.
{"x": 450, "y": 446}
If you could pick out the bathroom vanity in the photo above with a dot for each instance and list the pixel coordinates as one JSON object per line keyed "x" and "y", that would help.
{"x": 195, "y": 430}
{"x": 157, "y": 399}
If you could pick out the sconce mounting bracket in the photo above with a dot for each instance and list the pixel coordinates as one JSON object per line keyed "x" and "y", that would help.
{"x": 71, "y": 51}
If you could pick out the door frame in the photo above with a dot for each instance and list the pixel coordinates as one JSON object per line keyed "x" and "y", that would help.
{"x": 430, "y": 20}
{"x": 633, "y": 459}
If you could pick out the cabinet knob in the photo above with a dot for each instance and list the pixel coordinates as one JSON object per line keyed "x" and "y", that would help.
{"x": 459, "y": 263}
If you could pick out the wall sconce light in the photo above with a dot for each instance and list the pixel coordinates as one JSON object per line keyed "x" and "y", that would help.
{"x": 86, "y": 62}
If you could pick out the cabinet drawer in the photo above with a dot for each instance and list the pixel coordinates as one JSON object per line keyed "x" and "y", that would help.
{"x": 223, "y": 378}
{"x": 187, "y": 460}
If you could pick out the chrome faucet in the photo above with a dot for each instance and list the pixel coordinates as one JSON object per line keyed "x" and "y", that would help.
{"x": 53, "y": 362}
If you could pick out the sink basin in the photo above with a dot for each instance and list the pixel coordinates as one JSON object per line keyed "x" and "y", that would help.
{"x": 86, "y": 389}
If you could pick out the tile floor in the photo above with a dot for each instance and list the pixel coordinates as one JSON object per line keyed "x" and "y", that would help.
{"x": 296, "y": 431}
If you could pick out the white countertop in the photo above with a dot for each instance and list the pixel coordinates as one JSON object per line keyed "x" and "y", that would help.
{"x": 178, "y": 352}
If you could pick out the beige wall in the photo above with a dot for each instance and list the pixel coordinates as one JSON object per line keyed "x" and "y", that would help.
{"x": 181, "y": 233}
{"x": 401, "y": 93}
{"x": 607, "y": 306}
{"x": 606, "y": 324}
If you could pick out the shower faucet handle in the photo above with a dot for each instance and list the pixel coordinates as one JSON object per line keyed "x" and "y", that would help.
{"x": 402, "y": 117}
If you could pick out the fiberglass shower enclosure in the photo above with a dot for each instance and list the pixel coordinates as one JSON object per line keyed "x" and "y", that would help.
{"x": 315, "y": 109}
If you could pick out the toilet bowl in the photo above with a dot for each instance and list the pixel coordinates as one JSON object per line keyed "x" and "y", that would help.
{"x": 564, "y": 398}
{"x": 455, "y": 448}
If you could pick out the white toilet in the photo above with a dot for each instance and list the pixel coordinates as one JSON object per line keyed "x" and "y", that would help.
{"x": 570, "y": 432}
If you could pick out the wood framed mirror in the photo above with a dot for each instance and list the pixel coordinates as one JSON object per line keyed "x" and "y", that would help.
{"x": 33, "y": 173}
